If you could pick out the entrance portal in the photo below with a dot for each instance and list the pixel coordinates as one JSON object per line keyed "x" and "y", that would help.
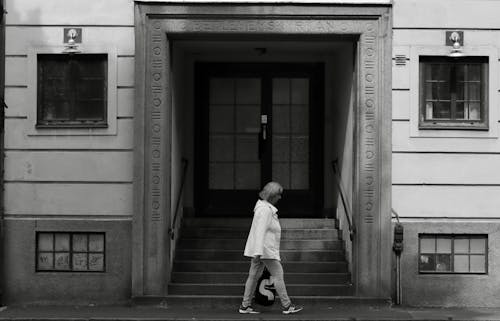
{"x": 158, "y": 124}
{"x": 258, "y": 122}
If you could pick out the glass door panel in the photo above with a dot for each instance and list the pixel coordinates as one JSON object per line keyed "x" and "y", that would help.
{"x": 234, "y": 125}
{"x": 290, "y": 137}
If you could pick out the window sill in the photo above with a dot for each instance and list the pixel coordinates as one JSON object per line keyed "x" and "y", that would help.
{"x": 70, "y": 125}
{"x": 431, "y": 125}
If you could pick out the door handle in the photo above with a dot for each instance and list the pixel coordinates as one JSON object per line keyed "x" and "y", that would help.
{"x": 262, "y": 135}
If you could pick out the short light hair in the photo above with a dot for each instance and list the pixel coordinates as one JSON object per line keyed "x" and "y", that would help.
{"x": 269, "y": 190}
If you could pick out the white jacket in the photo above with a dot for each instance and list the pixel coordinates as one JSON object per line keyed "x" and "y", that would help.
{"x": 265, "y": 233}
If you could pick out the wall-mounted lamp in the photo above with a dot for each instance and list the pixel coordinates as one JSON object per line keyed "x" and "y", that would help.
{"x": 71, "y": 37}
{"x": 456, "y": 40}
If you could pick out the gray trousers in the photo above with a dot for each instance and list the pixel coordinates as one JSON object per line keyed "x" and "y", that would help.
{"x": 275, "y": 269}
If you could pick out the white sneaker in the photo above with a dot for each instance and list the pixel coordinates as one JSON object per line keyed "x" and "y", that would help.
{"x": 292, "y": 309}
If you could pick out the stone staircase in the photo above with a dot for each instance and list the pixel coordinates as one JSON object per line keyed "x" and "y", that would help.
{"x": 210, "y": 268}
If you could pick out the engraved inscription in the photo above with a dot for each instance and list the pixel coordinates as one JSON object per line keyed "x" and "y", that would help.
{"x": 156, "y": 104}
{"x": 233, "y": 25}
{"x": 369, "y": 127}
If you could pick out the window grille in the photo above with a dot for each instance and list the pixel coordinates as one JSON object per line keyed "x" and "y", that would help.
{"x": 449, "y": 253}
{"x": 453, "y": 93}
{"x": 70, "y": 251}
{"x": 72, "y": 90}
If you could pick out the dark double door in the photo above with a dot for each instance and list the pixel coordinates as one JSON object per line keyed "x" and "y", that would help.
{"x": 255, "y": 123}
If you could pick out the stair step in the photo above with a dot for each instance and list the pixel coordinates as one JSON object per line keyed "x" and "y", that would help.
{"x": 235, "y": 289}
{"x": 240, "y": 277}
{"x": 234, "y": 255}
{"x": 245, "y": 223}
{"x": 235, "y": 244}
{"x": 237, "y": 233}
{"x": 231, "y": 266}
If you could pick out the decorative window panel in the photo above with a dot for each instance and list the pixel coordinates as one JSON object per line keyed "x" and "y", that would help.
{"x": 70, "y": 251}
{"x": 453, "y": 93}
{"x": 72, "y": 90}
{"x": 453, "y": 253}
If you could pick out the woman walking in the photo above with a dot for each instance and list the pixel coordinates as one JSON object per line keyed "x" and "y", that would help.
{"x": 263, "y": 246}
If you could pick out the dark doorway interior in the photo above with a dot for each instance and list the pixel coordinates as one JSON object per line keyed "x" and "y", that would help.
{"x": 257, "y": 122}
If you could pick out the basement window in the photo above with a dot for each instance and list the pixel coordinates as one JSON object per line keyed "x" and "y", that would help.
{"x": 450, "y": 253}
{"x": 453, "y": 93}
{"x": 72, "y": 91}
{"x": 70, "y": 252}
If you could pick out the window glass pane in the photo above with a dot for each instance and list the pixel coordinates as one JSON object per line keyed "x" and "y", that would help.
{"x": 427, "y": 245}
{"x": 96, "y": 262}
{"x": 442, "y": 110}
{"x": 61, "y": 242}
{"x": 443, "y": 262}
{"x": 461, "y": 263}
{"x": 221, "y": 119}
{"x": 248, "y": 91}
{"x": 221, "y": 148}
{"x": 90, "y": 110}
{"x": 443, "y": 91}
{"x": 281, "y": 119}
{"x": 247, "y": 118}
{"x": 300, "y": 176}
{"x": 428, "y": 90}
{"x": 460, "y": 73}
{"x": 474, "y": 111}
{"x": 477, "y": 263}
{"x": 300, "y": 149}
{"x": 461, "y": 245}
{"x": 281, "y": 91}
{"x": 429, "y": 107}
{"x": 474, "y": 91}
{"x": 80, "y": 242}
{"x": 221, "y": 176}
{"x": 443, "y": 245}
{"x": 96, "y": 242}
{"x": 427, "y": 262}
{"x": 247, "y": 175}
{"x": 281, "y": 148}
{"x": 45, "y": 261}
{"x": 247, "y": 148}
{"x": 300, "y": 91}
{"x": 45, "y": 242}
{"x": 62, "y": 261}
{"x": 300, "y": 119}
{"x": 56, "y": 110}
{"x": 460, "y": 111}
{"x": 80, "y": 262}
{"x": 478, "y": 246}
{"x": 474, "y": 72}
{"x": 93, "y": 88}
{"x": 281, "y": 174}
{"x": 221, "y": 91}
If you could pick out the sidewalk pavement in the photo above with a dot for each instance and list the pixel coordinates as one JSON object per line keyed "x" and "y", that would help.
{"x": 152, "y": 313}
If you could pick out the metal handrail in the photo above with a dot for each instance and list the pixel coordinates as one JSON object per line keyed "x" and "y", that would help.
{"x": 395, "y": 213}
{"x": 347, "y": 208}
{"x": 185, "y": 164}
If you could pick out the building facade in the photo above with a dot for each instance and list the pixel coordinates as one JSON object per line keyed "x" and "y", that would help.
{"x": 126, "y": 119}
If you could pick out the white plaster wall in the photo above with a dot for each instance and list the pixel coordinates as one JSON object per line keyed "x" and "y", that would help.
{"x": 75, "y": 176}
{"x": 445, "y": 182}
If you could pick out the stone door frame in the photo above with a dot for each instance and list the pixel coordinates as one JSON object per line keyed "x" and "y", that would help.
{"x": 156, "y": 23}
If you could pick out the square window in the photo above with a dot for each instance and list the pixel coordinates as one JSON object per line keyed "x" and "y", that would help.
{"x": 452, "y": 253}
{"x": 71, "y": 90}
{"x": 453, "y": 93}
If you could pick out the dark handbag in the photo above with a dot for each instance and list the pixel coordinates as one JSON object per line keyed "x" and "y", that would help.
{"x": 265, "y": 293}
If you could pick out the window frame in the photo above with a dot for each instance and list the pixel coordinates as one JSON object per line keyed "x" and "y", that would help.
{"x": 69, "y": 58}
{"x": 112, "y": 92}
{"x": 453, "y": 237}
{"x": 70, "y": 252}
{"x": 454, "y": 123}
{"x": 407, "y": 79}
